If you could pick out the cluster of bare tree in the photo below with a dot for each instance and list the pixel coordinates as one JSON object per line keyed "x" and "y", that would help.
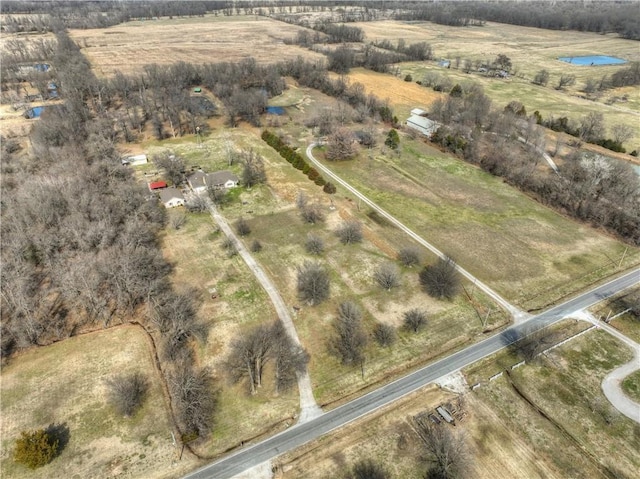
{"x": 251, "y": 352}
{"x": 80, "y": 248}
{"x": 446, "y": 452}
{"x": 622, "y": 18}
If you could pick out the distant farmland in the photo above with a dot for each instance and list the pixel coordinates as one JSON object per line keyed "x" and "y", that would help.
{"x": 129, "y": 46}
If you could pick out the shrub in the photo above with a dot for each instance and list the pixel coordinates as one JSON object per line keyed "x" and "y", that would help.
{"x": 408, "y": 78}
{"x": 127, "y": 393}
{"x": 35, "y": 448}
{"x": 384, "y": 334}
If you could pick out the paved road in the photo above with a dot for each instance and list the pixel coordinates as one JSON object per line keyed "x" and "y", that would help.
{"x": 308, "y": 431}
{"x": 612, "y": 383}
{"x": 308, "y": 405}
{"x": 517, "y": 314}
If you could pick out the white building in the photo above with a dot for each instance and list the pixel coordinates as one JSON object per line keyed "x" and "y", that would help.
{"x": 423, "y": 125}
{"x": 171, "y": 197}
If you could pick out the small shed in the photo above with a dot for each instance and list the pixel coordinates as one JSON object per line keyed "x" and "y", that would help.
{"x": 445, "y": 414}
{"x": 197, "y": 90}
{"x": 418, "y": 112}
{"x": 171, "y": 197}
{"x": 157, "y": 185}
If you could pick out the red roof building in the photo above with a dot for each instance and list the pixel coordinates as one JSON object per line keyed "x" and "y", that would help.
{"x": 157, "y": 185}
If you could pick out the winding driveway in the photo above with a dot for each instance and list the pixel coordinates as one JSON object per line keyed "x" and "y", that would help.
{"x": 518, "y": 314}
{"x": 308, "y": 406}
{"x": 612, "y": 383}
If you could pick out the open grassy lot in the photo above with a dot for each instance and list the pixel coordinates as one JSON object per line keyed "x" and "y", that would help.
{"x": 351, "y": 268}
{"x": 65, "y": 384}
{"x": 631, "y": 386}
{"x": 201, "y": 263}
{"x": 582, "y": 435}
{"x": 530, "y": 50}
{"x": 507, "y": 436}
{"x": 527, "y": 252}
{"x": 208, "y": 39}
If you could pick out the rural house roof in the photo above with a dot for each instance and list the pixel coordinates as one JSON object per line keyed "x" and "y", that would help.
{"x": 422, "y": 124}
{"x": 220, "y": 178}
{"x": 169, "y": 194}
{"x": 156, "y": 185}
{"x": 197, "y": 180}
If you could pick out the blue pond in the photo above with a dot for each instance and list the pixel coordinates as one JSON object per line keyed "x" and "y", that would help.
{"x": 275, "y": 110}
{"x": 34, "y": 112}
{"x": 593, "y": 60}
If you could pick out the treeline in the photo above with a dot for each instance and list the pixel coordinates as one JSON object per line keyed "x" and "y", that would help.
{"x": 293, "y": 157}
{"x": 80, "y": 248}
{"x": 622, "y": 17}
{"x": 601, "y": 191}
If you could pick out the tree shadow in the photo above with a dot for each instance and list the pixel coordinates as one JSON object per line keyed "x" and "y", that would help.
{"x": 59, "y": 432}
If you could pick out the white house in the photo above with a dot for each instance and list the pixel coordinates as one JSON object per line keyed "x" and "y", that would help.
{"x": 171, "y": 197}
{"x": 423, "y": 125}
{"x": 200, "y": 181}
{"x": 135, "y": 160}
{"x": 222, "y": 179}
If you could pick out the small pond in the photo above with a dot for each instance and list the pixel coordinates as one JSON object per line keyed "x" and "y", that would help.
{"x": 593, "y": 60}
{"x": 275, "y": 110}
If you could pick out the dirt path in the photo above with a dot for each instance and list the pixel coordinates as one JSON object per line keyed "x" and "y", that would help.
{"x": 309, "y": 409}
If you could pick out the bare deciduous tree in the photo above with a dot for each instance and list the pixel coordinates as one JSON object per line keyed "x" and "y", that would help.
{"x": 253, "y": 171}
{"x": 177, "y": 219}
{"x": 350, "y": 338}
{"x": 313, "y": 283}
{"x": 195, "y": 400}
{"x": 249, "y": 354}
{"x": 350, "y": 232}
{"x": 342, "y": 144}
{"x": 387, "y": 276}
{"x": 447, "y": 452}
{"x": 256, "y": 246}
{"x": 242, "y": 227}
{"x": 252, "y": 351}
{"x": 565, "y": 80}
{"x": 414, "y": 320}
{"x": 409, "y": 256}
{"x": 384, "y": 334}
{"x": 127, "y": 392}
{"x": 530, "y": 343}
{"x": 622, "y": 133}
{"x": 441, "y": 279}
{"x": 173, "y": 166}
{"x": 314, "y": 244}
{"x": 367, "y": 469}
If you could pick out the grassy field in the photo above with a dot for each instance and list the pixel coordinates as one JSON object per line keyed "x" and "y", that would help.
{"x": 201, "y": 263}
{"x": 65, "y": 384}
{"x": 208, "y": 39}
{"x": 631, "y": 386}
{"x": 581, "y": 433}
{"x": 530, "y": 50}
{"x": 527, "y": 252}
{"x": 506, "y": 435}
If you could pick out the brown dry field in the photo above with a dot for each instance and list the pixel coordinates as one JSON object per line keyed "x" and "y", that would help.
{"x": 130, "y": 46}
{"x": 524, "y": 45}
{"x": 64, "y": 383}
{"x": 507, "y": 436}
